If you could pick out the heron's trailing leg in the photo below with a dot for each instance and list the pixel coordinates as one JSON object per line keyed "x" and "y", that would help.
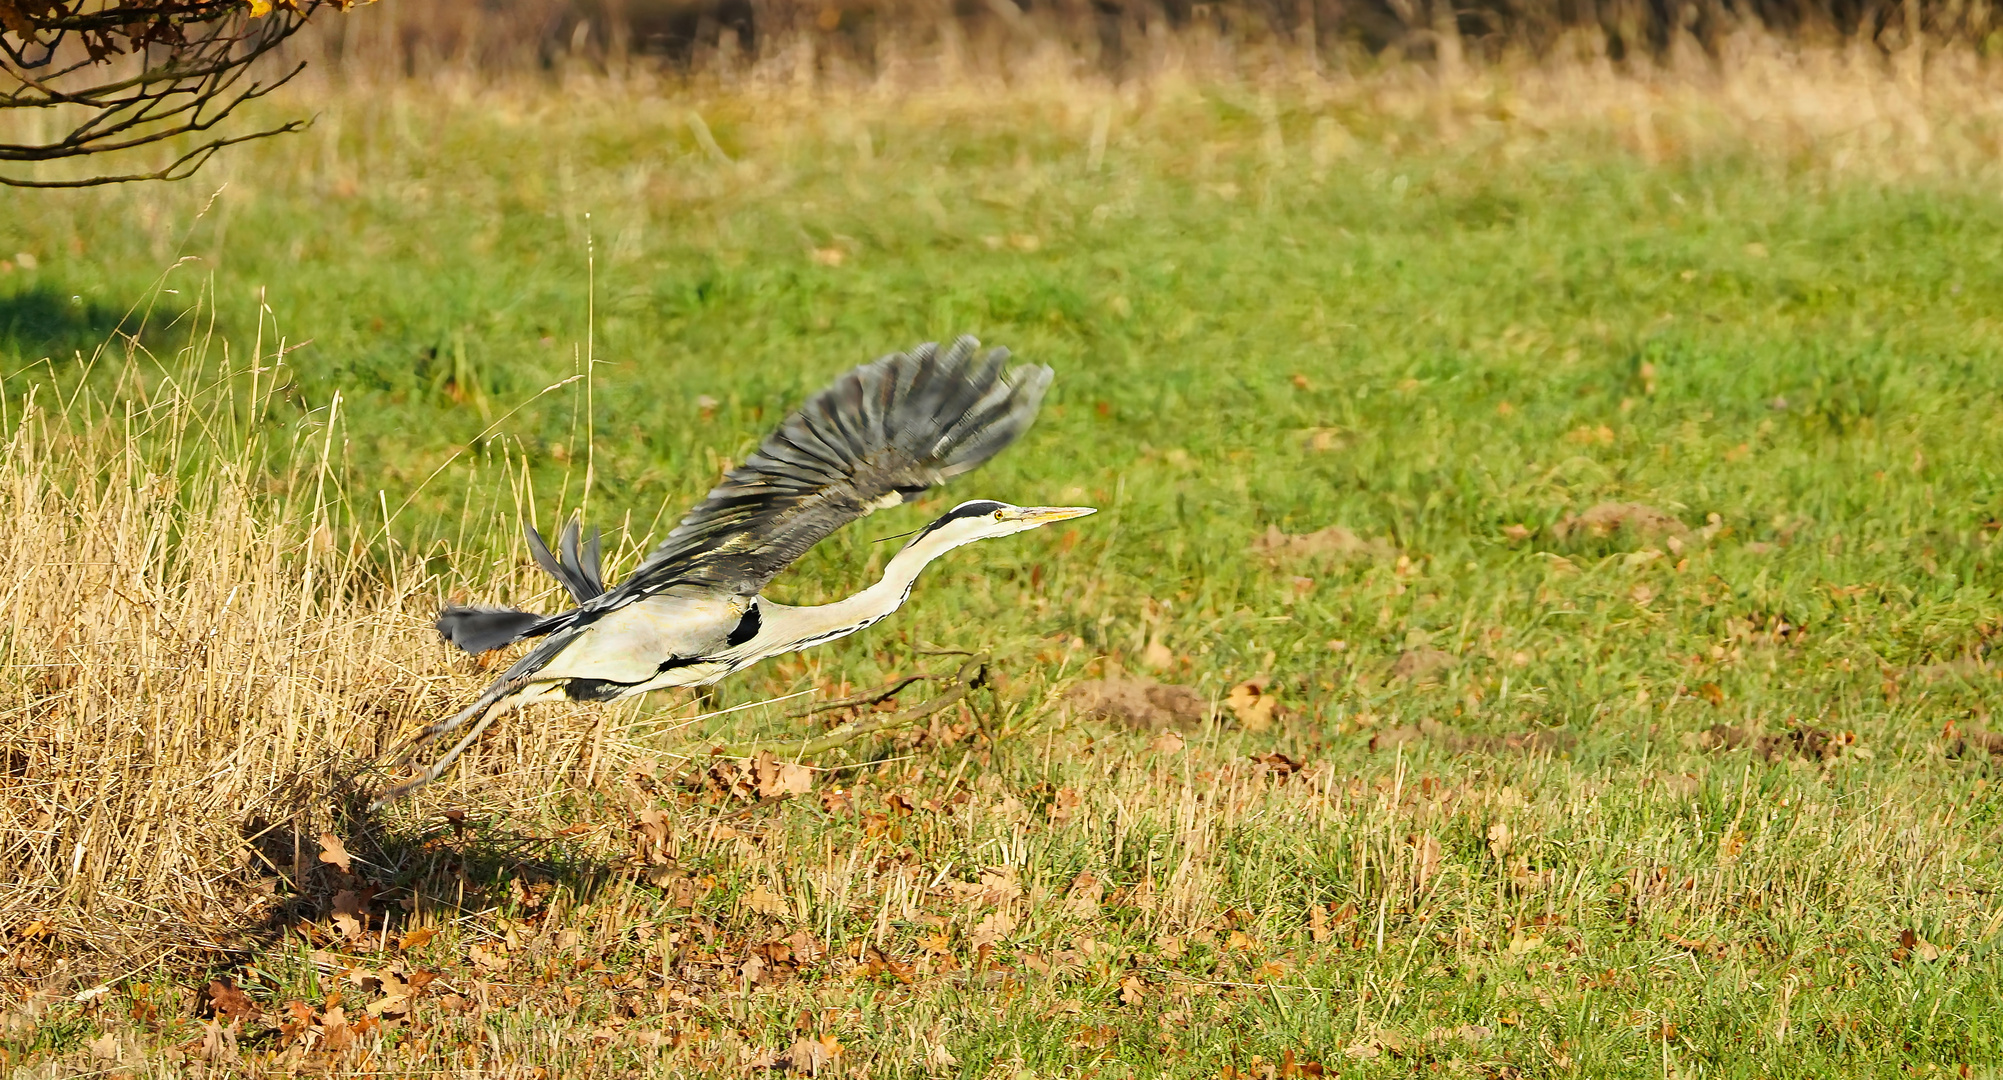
{"x": 431, "y": 733}
{"x": 489, "y": 711}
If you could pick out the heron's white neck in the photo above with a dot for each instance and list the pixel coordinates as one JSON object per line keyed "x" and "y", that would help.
{"x": 825, "y": 622}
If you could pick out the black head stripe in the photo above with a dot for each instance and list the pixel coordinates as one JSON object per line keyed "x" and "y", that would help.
{"x": 964, "y": 510}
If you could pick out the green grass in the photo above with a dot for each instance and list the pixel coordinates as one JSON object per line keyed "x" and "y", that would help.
{"x": 1422, "y": 339}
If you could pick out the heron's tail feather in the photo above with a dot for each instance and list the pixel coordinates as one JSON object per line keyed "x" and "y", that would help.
{"x": 578, "y": 569}
{"x": 478, "y": 629}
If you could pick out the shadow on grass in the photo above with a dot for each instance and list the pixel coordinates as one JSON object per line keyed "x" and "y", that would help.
{"x": 44, "y": 321}
{"x": 462, "y": 860}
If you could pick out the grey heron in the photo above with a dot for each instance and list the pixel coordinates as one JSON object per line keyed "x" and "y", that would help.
{"x": 691, "y": 613}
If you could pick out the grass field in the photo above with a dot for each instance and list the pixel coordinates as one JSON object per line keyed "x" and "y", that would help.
{"x": 1634, "y": 726}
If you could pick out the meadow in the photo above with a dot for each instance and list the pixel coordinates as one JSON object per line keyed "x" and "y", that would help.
{"x": 1568, "y": 497}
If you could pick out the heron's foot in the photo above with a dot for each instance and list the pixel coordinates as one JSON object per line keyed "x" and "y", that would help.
{"x": 423, "y": 777}
{"x": 489, "y": 711}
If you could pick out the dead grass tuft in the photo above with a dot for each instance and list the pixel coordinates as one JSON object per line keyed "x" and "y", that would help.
{"x": 196, "y": 675}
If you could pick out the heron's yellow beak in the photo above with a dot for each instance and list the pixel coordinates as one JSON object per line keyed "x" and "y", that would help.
{"x": 1044, "y": 515}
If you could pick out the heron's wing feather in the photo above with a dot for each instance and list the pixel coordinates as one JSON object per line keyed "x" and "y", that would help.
{"x": 577, "y": 570}
{"x": 478, "y": 629}
{"x": 881, "y": 434}
{"x": 590, "y": 565}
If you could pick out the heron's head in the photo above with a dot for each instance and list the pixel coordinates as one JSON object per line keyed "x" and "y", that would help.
{"x": 984, "y": 519}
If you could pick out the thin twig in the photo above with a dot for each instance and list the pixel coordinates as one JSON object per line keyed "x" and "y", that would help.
{"x": 971, "y": 674}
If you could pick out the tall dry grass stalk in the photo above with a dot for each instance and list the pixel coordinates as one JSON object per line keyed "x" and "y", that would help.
{"x": 200, "y": 659}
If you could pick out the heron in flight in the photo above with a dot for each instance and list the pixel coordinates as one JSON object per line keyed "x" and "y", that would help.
{"x": 691, "y": 613}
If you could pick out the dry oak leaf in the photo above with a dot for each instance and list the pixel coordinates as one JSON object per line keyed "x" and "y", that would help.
{"x": 765, "y": 902}
{"x": 1249, "y": 702}
{"x": 993, "y": 929}
{"x": 349, "y": 917}
{"x": 105, "y": 1048}
{"x": 780, "y": 778}
{"x": 490, "y": 961}
{"x": 412, "y": 939}
{"x": 1132, "y": 990}
{"x": 229, "y": 1002}
{"x": 333, "y": 852}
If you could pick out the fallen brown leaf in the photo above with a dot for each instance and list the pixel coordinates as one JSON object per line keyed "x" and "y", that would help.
{"x": 229, "y": 1002}
{"x": 349, "y": 917}
{"x": 333, "y": 852}
{"x": 1254, "y": 708}
{"x": 765, "y": 902}
{"x": 993, "y": 929}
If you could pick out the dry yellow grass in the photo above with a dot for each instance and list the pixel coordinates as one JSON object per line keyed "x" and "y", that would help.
{"x": 199, "y": 663}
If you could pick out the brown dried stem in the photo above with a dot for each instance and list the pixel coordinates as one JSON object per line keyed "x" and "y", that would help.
{"x": 971, "y": 674}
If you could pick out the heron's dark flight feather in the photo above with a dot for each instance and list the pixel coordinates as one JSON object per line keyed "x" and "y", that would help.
{"x": 894, "y": 427}
{"x": 478, "y": 629}
{"x": 578, "y": 570}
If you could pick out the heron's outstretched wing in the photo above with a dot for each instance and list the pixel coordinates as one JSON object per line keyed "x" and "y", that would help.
{"x": 881, "y": 434}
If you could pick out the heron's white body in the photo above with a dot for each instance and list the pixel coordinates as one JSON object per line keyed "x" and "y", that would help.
{"x": 672, "y": 640}
{"x": 629, "y": 645}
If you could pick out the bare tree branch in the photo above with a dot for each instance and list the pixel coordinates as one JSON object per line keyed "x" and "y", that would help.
{"x": 194, "y": 61}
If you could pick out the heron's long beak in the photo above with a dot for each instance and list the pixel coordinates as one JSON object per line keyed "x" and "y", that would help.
{"x": 1044, "y": 515}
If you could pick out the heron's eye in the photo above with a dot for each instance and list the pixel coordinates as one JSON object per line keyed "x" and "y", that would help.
{"x": 998, "y": 515}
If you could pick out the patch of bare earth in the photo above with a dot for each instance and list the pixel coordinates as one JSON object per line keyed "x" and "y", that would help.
{"x": 1139, "y": 702}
